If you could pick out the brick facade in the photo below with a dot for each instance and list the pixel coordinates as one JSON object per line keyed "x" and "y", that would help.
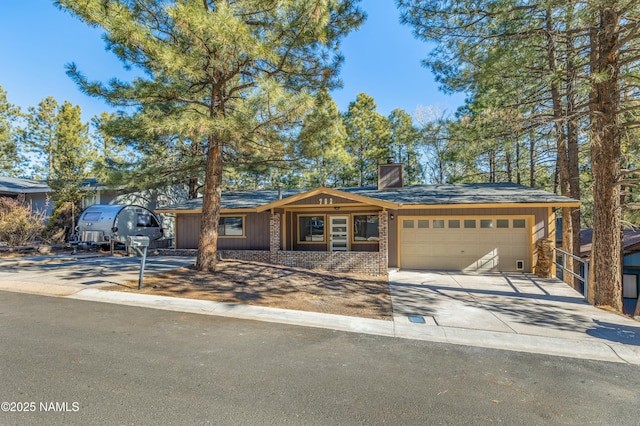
{"x": 338, "y": 261}
{"x": 369, "y": 263}
{"x": 383, "y": 242}
{"x": 274, "y": 231}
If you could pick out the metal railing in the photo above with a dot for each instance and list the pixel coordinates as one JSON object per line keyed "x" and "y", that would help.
{"x": 585, "y": 270}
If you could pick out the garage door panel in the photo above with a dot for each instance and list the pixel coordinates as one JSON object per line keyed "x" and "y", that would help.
{"x": 468, "y": 249}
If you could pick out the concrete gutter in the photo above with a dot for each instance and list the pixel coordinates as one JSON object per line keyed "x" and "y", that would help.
{"x": 400, "y": 327}
{"x": 447, "y": 327}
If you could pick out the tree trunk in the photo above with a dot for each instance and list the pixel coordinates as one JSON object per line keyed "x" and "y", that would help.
{"x": 193, "y": 188}
{"x": 518, "y": 175}
{"x": 208, "y": 242}
{"x": 605, "y": 161}
{"x": 574, "y": 180}
{"x": 573, "y": 166}
{"x": 508, "y": 165}
{"x": 562, "y": 161}
{"x": 532, "y": 160}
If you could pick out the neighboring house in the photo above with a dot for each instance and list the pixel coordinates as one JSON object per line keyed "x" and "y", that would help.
{"x": 472, "y": 227}
{"x": 98, "y": 193}
{"x": 36, "y": 193}
{"x": 630, "y": 265}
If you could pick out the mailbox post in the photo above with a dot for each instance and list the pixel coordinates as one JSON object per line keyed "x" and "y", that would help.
{"x": 140, "y": 245}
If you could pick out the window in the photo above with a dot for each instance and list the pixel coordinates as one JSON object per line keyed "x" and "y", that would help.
{"x": 92, "y": 216}
{"x": 311, "y": 229}
{"x": 423, "y": 223}
{"x": 365, "y": 227}
{"x": 630, "y": 286}
{"x": 454, "y": 223}
{"x": 502, "y": 223}
{"x": 145, "y": 220}
{"x": 486, "y": 223}
{"x": 438, "y": 223}
{"x": 407, "y": 223}
{"x": 519, "y": 223}
{"x": 231, "y": 226}
{"x": 469, "y": 223}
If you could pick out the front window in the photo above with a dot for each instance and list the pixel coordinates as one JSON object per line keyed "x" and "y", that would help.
{"x": 365, "y": 228}
{"x": 231, "y": 226}
{"x": 311, "y": 229}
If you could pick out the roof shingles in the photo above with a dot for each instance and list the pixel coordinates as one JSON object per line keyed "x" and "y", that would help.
{"x": 467, "y": 194}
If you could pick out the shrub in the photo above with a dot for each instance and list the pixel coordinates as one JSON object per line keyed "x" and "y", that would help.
{"x": 19, "y": 223}
{"x": 60, "y": 225}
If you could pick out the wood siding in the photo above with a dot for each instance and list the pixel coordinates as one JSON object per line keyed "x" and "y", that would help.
{"x": 256, "y": 228}
{"x": 320, "y": 200}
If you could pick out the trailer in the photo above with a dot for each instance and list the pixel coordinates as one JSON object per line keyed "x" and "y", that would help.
{"x": 102, "y": 223}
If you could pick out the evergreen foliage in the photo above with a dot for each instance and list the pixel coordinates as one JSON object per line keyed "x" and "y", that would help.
{"x": 231, "y": 77}
{"x": 368, "y": 140}
{"x": 11, "y": 156}
{"x": 559, "y": 77}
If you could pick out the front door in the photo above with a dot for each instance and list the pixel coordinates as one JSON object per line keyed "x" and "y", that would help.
{"x": 338, "y": 233}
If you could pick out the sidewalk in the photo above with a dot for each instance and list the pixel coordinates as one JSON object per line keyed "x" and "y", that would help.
{"x": 466, "y": 319}
{"x": 400, "y": 327}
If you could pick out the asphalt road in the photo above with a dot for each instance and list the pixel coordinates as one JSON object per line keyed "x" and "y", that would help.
{"x": 74, "y": 362}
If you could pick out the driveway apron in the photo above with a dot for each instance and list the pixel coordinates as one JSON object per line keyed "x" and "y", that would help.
{"x": 514, "y": 303}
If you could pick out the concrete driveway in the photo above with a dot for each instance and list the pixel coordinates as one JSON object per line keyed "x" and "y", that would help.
{"x": 504, "y": 303}
{"x": 66, "y": 275}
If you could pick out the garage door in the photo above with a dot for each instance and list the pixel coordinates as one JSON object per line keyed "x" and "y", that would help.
{"x": 465, "y": 244}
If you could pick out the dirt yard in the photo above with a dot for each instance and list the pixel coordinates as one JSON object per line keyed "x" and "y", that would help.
{"x": 273, "y": 286}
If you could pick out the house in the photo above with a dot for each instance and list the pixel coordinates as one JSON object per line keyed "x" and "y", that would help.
{"x": 630, "y": 265}
{"x": 472, "y": 227}
{"x": 35, "y": 193}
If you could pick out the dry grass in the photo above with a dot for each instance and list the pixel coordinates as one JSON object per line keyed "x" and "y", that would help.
{"x": 275, "y": 286}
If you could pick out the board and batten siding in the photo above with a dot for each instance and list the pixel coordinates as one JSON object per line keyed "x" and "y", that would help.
{"x": 256, "y": 228}
{"x": 540, "y": 226}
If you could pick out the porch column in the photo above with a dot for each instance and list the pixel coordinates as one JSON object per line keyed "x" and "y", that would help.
{"x": 383, "y": 235}
{"x": 274, "y": 231}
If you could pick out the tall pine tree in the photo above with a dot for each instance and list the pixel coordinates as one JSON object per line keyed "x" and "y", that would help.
{"x": 11, "y": 158}
{"x": 232, "y": 75}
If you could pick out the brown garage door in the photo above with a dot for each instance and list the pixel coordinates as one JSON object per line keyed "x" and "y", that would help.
{"x": 465, "y": 244}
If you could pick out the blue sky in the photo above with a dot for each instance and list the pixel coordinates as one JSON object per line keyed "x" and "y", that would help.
{"x": 382, "y": 59}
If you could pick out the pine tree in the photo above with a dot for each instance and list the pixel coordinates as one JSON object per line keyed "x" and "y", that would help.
{"x": 368, "y": 137}
{"x": 232, "y": 76}
{"x": 572, "y": 69}
{"x": 11, "y": 158}
{"x": 322, "y": 145}
{"x": 71, "y": 158}
{"x": 405, "y": 145}
{"x": 40, "y": 135}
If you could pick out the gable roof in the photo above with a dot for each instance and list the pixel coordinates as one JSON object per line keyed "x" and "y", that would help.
{"x": 11, "y": 185}
{"x": 415, "y": 196}
{"x": 350, "y": 195}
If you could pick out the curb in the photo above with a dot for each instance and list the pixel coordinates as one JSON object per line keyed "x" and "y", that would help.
{"x": 248, "y": 312}
{"x": 400, "y": 327}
